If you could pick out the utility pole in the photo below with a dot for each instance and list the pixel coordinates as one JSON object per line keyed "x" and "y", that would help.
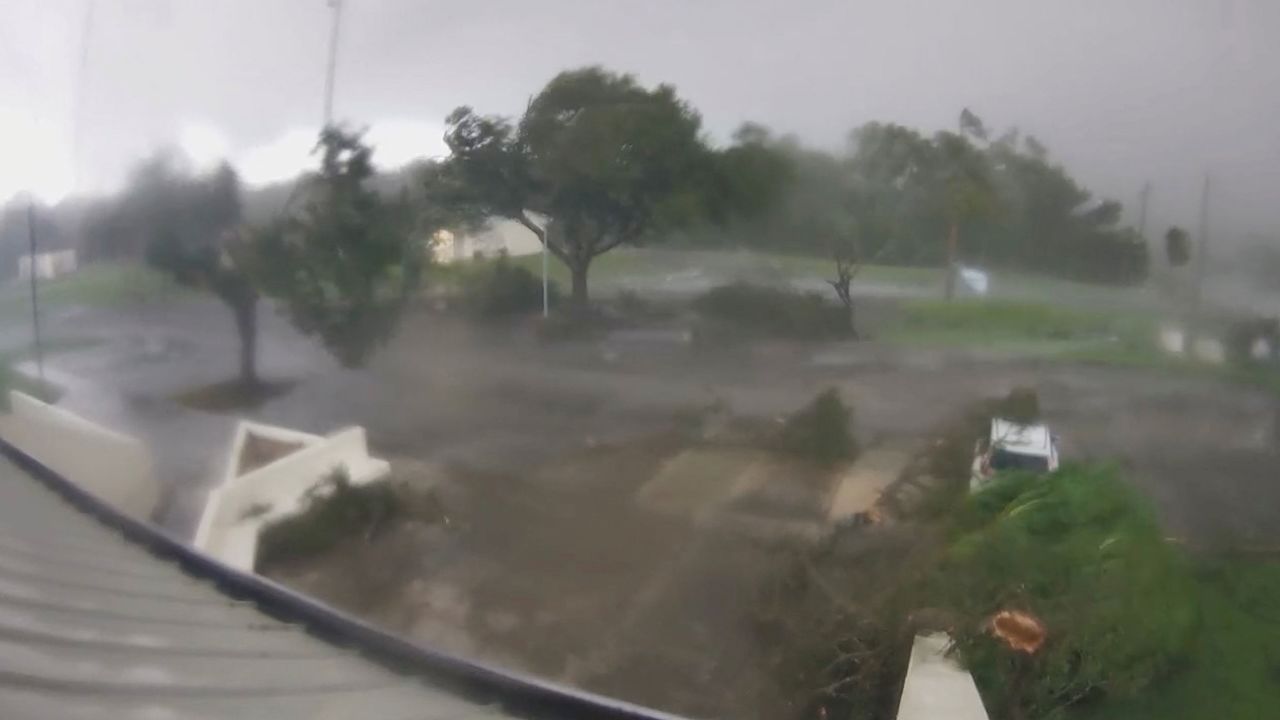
{"x": 31, "y": 272}
{"x": 1202, "y": 259}
{"x": 336, "y": 5}
{"x": 1143, "y": 199}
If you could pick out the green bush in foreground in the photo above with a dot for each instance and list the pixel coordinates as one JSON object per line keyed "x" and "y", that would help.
{"x": 1079, "y": 550}
{"x": 338, "y": 512}
{"x": 501, "y": 288}
{"x": 820, "y": 431}
{"x": 774, "y": 311}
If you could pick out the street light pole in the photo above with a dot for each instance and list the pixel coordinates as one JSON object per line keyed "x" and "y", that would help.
{"x": 333, "y": 61}
{"x": 546, "y": 304}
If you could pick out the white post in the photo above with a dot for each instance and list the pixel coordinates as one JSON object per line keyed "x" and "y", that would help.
{"x": 546, "y": 305}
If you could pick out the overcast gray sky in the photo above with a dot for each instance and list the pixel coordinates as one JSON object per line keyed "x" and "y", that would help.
{"x": 1120, "y": 90}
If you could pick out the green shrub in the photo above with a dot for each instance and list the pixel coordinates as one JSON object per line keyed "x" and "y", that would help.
{"x": 774, "y": 311}
{"x": 338, "y": 511}
{"x": 1021, "y": 405}
{"x": 500, "y": 288}
{"x": 1079, "y": 550}
{"x": 820, "y": 431}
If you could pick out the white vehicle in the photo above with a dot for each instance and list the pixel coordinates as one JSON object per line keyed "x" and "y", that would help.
{"x": 1013, "y": 446}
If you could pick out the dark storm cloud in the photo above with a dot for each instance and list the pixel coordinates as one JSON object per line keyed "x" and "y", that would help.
{"x": 1122, "y": 92}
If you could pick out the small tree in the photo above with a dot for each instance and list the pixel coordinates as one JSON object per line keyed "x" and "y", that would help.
{"x": 190, "y": 228}
{"x": 346, "y": 261}
{"x": 848, "y": 264}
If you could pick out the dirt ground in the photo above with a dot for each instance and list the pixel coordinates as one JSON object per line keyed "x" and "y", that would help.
{"x": 550, "y": 563}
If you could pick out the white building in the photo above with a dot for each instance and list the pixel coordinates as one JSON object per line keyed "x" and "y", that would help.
{"x": 500, "y": 235}
{"x": 48, "y": 265}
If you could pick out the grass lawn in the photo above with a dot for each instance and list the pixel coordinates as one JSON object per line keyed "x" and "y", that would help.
{"x": 639, "y": 264}
{"x": 1234, "y": 669}
{"x": 96, "y": 284}
{"x": 982, "y": 321}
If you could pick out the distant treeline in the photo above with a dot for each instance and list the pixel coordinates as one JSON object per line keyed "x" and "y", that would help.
{"x": 897, "y": 194}
{"x": 900, "y": 197}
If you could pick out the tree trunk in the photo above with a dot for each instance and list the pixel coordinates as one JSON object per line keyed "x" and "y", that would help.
{"x": 246, "y": 314}
{"x": 578, "y": 271}
{"x": 952, "y": 241}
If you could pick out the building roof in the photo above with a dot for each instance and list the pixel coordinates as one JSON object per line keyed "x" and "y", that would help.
{"x": 105, "y": 617}
{"x": 1022, "y": 439}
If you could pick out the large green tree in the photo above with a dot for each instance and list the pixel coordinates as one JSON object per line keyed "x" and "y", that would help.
{"x": 596, "y": 161}
{"x": 344, "y": 260}
{"x": 189, "y": 225}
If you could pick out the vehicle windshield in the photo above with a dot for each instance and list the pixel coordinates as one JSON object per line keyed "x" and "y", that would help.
{"x": 1002, "y": 459}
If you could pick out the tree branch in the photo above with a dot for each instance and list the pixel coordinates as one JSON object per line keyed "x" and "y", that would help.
{"x": 523, "y": 218}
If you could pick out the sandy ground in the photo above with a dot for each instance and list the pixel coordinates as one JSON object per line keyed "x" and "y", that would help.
{"x": 551, "y": 564}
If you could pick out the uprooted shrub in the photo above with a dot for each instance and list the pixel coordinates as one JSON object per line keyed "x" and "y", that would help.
{"x": 773, "y": 311}
{"x": 1082, "y": 553}
{"x": 338, "y": 511}
{"x": 821, "y": 431}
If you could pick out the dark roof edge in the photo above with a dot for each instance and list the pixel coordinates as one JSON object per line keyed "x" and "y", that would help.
{"x": 516, "y": 693}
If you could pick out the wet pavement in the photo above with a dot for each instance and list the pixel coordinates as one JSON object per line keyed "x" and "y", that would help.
{"x": 496, "y": 399}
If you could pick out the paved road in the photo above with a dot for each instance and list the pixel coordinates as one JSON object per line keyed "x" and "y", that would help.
{"x": 442, "y": 390}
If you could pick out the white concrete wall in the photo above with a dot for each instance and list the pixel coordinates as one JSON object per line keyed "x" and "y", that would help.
{"x": 501, "y": 234}
{"x": 115, "y": 467}
{"x": 937, "y": 688}
{"x": 237, "y": 510}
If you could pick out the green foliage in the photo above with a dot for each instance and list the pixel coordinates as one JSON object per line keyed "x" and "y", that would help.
{"x": 898, "y": 192}
{"x": 188, "y": 225}
{"x": 821, "y": 431}
{"x": 338, "y": 512}
{"x": 773, "y": 311}
{"x": 345, "y": 262}
{"x": 501, "y": 288}
{"x": 1079, "y": 550}
{"x": 1235, "y": 672}
{"x": 595, "y": 162}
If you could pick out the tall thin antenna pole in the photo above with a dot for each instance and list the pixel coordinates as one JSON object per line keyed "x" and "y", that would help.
{"x": 32, "y": 272}
{"x": 333, "y": 61}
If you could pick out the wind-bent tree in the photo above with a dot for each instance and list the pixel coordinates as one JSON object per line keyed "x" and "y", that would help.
{"x": 594, "y": 163}
{"x": 345, "y": 260}
{"x": 964, "y": 190}
{"x": 190, "y": 228}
